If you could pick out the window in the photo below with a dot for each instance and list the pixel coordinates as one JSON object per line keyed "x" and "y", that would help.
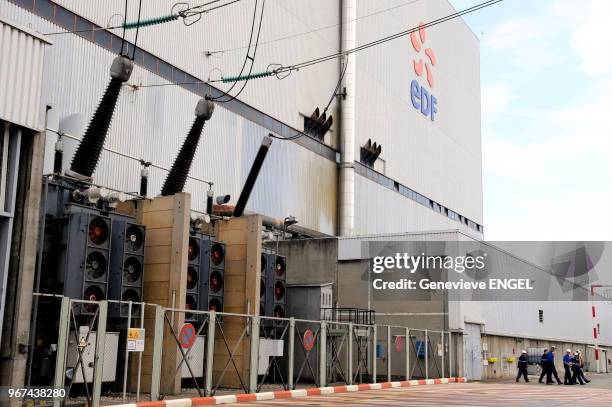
{"x": 541, "y": 316}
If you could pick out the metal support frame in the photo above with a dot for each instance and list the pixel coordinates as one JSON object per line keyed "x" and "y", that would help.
{"x": 426, "y": 355}
{"x": 450, "y": 354}
{"x": 158, "y": 342}
{"x": 323, "y": 354}
{"x": 62, "y": 347}
{"x": 374, "y": 339}
{"x": 232, "y": 354}
{"x": 366, "y": 341}
{"x": 443, "y": 351}
{"x": 291, "y": 352}
{"x": 210, "y": 353}
{"x": 127, "y": 354}
{"x": 142, "y": 317}
{"x": 407, "y": 346}
{"x": 99, "y": 352}
{"x": 184, "y": 353}
{"x": 388, "y": 353}
{"x": 335, "y": 349}
{"x": 273, "y": 366}
{"x": 254, "y": 354}
{"x": 349, "y": 355}
{"x": 306, "y": 362}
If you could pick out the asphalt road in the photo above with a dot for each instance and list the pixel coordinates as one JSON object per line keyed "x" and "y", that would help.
{"x": 464, "y": 394}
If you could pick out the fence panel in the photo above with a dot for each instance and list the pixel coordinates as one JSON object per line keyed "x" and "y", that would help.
{"x": 418, "y": 354}
{"x": 200, "y": 353}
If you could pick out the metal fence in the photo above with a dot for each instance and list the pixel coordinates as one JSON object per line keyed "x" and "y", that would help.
{"x": 226, "y": 352}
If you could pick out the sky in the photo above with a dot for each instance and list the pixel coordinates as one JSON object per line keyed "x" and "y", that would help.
{"x": 546, "y": 76}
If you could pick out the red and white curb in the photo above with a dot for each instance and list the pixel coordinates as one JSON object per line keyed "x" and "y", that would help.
{"x": 287, "y": 394}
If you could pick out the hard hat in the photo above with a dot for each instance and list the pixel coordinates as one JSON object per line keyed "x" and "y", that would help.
{"x": 524, "y": 351}
{"x": 576, "y": 353}
{"x": 569, "y": 351}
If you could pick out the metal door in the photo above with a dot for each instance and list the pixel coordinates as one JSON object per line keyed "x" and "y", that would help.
{"x": 473, "y": 352}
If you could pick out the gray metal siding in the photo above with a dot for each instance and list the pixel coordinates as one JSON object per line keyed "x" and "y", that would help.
{"x": 152, "y": 123}
{"x": 298, "y": 182}
{"x": 21, "y": 75}
{"x": 379, "y": 209}
{"x": 229, "y": 28}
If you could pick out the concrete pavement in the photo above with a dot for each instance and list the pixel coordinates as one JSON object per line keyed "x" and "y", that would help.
{"x": 462, "y": 394}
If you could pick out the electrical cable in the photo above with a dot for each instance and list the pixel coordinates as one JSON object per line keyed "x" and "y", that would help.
{"x": 246, "y": 57}
{"x": 263, "y": 5}
{"x": 151, "y": 21}
{"x": 316, "y": 122}
{"x": 287, "y": 69}
{"x": 123, "y": 35}
{"x": 137, "y": 29}
{"x": 449, "y": 17}
{"x": 327, "y": 27}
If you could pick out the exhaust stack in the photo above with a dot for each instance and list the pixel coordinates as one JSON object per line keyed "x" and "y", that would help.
{"x": 88, "y": 153}
{"x": 252, "y": 177}
{"x": 175, "y": 181}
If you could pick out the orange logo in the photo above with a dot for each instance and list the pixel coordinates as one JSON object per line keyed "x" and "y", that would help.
{"x": 418, "y": 43}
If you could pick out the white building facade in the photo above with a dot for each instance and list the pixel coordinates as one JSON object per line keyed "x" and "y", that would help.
{"x": 428, "y": 175}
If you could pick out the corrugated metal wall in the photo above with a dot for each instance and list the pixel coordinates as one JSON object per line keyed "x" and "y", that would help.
{"x": 381, "y": 210}
{"x": 295, "y": 180}
{"x": 21, "y": 68}
{"x": 152, "y": 123}
{"x": 228, "y": 28}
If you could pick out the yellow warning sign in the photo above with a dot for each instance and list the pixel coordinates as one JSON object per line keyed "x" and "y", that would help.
{"x": 135, "y": 339}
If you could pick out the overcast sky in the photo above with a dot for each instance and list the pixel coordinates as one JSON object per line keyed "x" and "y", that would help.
{"x": 546, "y": 68}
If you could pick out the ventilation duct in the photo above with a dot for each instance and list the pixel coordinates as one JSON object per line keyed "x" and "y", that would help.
{"x": 175, "y": 181}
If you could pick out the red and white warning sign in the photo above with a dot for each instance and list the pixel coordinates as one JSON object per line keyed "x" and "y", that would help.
{"x": 308, "y": 340}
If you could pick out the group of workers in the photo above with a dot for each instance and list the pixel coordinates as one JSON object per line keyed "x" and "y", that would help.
{"x": 573, "y": 365}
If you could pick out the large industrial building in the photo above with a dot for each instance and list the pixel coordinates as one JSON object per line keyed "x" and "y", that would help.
{"x": 429, "y": 171}
{"x": 401, "y": 153}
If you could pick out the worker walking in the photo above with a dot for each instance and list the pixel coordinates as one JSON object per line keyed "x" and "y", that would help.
{"x": 567, "y": 365}
{"x": 581, "y": 364}
{"x": 550, "y": 366}
{"x": 576, "y": 369}
{"x": 543, "y": 362}
{"x": 522, "y": 367}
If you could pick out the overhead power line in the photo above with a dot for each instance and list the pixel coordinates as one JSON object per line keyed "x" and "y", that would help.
{"x": 383, "y": 40}
{"x": 137, "y": 29}
{"x": 282, "y": 71}
{"x": 316, "y": 123}
{"x": 246, "y": 58}
{"x": 327, "y": 27}
{"x": 190, "y": 16}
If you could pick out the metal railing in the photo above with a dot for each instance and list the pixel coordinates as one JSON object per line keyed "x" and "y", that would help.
{"x": 354, "y": 315}
{"x": 291, "y": 352}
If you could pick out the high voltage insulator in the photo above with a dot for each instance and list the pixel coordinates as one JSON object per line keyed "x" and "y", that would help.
{"x": 247, "y": 77}
{"x": 150, "y": 21}
{"x": 175, "y": 181}
{"x": 88, "y": 153}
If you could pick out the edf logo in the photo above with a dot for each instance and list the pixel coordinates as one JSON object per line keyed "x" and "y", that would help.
{"x": 422, "y": 99}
